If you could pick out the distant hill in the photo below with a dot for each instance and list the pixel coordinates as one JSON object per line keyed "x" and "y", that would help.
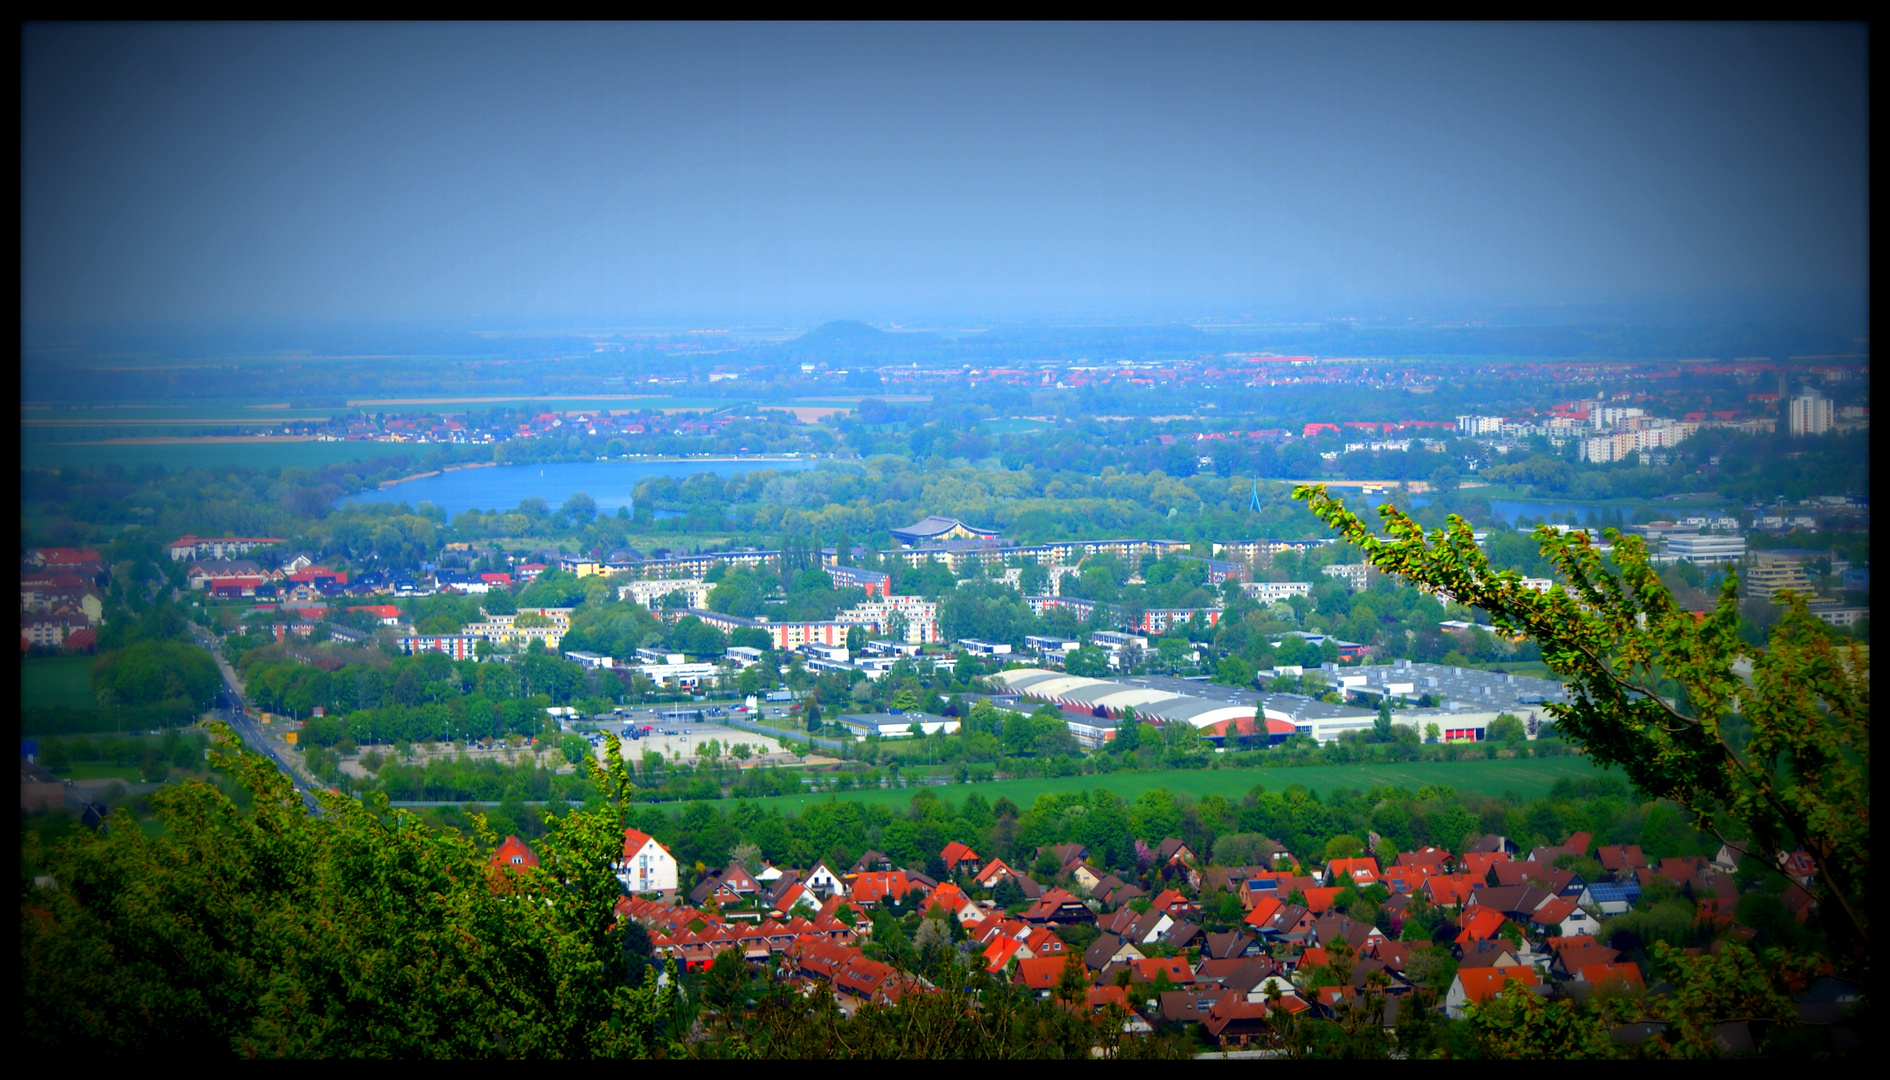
{"x": 850, "y": 340}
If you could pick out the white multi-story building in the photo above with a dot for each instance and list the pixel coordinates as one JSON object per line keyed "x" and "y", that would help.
{"x": 1353, "y": 574}
{"x": 1812, "y": 413}
{"x": 1479, "y": 425}
{"x": 1619, "y": 444}
{"x": 645, "y": 866}
{"x": 920, "y": 616}
{"x": 505, "y": 629}
{"x": 695, "y": 592}
{"x": 1605, "y": 417}
{"x": 1268, "y": 592}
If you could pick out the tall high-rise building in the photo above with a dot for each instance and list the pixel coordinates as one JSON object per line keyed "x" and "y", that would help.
{"x": 1811, "y": 413}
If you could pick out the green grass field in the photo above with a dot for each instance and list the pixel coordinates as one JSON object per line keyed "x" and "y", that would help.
{"x": 93, "y": 770}
{"x": 1529, "y": 778}
{"x": 308, "y": 455}
{"x": 54, "y": 681}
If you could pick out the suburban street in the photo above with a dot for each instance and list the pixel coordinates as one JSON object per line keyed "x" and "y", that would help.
{"x": 247, "y": 727}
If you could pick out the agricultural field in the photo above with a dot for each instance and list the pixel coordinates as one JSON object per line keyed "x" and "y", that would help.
{"x": 56, "y": 681}
{"x": 210, "y": 455}
{"x": 1531, "y": 778}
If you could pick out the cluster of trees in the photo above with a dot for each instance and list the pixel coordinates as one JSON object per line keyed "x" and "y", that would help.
{"x": 155, "y": 756}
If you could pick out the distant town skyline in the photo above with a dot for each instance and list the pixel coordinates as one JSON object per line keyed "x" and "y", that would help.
{"x": 794, "y": 174}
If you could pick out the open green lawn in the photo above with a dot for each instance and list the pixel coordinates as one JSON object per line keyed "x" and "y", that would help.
{"x": 208, "y": 455}
{"x": 94, "y": 770}
{"x": 49, "y": 682}
{"x": 1529, "y": 778}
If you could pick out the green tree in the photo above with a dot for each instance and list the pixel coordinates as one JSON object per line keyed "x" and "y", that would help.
{"x": 1780, "y": 762}
{"x": 270, "y": 931}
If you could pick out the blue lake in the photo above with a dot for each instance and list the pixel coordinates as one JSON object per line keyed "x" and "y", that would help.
{"x": 501, "y": 487}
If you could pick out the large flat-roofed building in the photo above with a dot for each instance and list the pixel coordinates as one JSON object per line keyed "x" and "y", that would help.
{"x": 1702, "y": 548}
{"x": 1472, "y": 698}
{"x": 1203, "y": 706}
{"x": 935, "y": 529}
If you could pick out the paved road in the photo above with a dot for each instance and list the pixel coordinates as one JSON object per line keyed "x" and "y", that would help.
{"x": 248, "y": 727}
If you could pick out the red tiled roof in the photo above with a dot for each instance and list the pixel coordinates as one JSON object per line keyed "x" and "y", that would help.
{"x": 1623, "y": 973}
{"x": 1482, "y": 984}
{"x": 1480, "y": 924}
{"x": 956, "y": 853}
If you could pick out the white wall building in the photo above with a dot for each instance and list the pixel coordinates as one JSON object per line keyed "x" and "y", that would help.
{"x": 1812, "y": 413}
{"x": 645, "y": 866}
{"x": 695, "y": 592}
{"x": 1267, "y": 592}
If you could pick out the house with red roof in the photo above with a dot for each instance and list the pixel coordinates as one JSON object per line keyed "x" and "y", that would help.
{"x": 513, "y": 852}
{"x": 1480, "y": 924}
{"x": 1477, "y": 986}
{"x": 645, "y": 865}
{"x": 1233, "y": 1021}
{"x": 953, "y": 899}
{"x": 1041, "y": 973}
{"x": 1361, "y": 872}
{"x": 1620, "y": 859}
{"x": 1319, "y": 899}
{"x": 1478, "y": 863}
{"x": 1450, "y": 890}
{"x": 960, "y": 859}
{"x": 1622, "y": 975}
{"x": 873, "y": 886}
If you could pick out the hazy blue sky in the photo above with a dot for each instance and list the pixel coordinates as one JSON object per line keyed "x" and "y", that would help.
{"x": 616, "y": 174}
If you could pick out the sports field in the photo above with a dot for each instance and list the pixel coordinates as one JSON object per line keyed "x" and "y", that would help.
{"x": 1530, "y": 778}
{"x": 51, "y": 682}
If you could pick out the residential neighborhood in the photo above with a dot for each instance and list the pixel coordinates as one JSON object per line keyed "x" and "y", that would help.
{"x": 1276, "y": 942}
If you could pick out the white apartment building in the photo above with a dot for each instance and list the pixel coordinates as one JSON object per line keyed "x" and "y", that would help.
{"x": 1812, "y": 413}
{"x": 921, "y": 617}
{"x": 1479, "y": 425}
{"x": 645, "y": 866}
{"x": 504, "y": 629}
{"x": 1267, "y": 592}
{"x": 1353, "y": 574}
{"x": 695, "y": 592}
{"x": 1619, "y": 444}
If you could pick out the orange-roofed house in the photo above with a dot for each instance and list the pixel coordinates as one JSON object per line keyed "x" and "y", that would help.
{"x": 1320, "y": 899}
{"x": 645, "y": 866}
{"x": 1040, "y": 973}
{"x": 1149, "y": 968}
{"x": 513, "y": 852}
{"x": 953, "y": 899}
{"x": 1476, "y": 986}
{"x": 1621, "y": 975}
{"x": 1478, "y": 863}
{"x": 1450, "y": 890}
{"x": 1480, "y": 924}
{"x": 1003, "y": 950}
{"x": 873, "y": 886}
{"x": 994, "y": 872}
{"x": 960, "y": 859}
{"x": 1264, "y": 910}
{"x": 1361, "y": 872}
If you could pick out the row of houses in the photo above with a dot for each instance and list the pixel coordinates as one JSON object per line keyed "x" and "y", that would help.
{"x": 61, "y": 603}
{"x": 1514, "y": 921}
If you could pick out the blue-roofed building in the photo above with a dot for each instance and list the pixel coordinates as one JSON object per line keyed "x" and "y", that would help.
{"x": 1610, "y": 897}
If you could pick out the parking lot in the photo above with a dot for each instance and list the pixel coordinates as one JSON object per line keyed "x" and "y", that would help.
{"x": 689, "y": 736}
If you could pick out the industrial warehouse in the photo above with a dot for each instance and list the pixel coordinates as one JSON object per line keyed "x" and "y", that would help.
{"x": 1466, "y": 701}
